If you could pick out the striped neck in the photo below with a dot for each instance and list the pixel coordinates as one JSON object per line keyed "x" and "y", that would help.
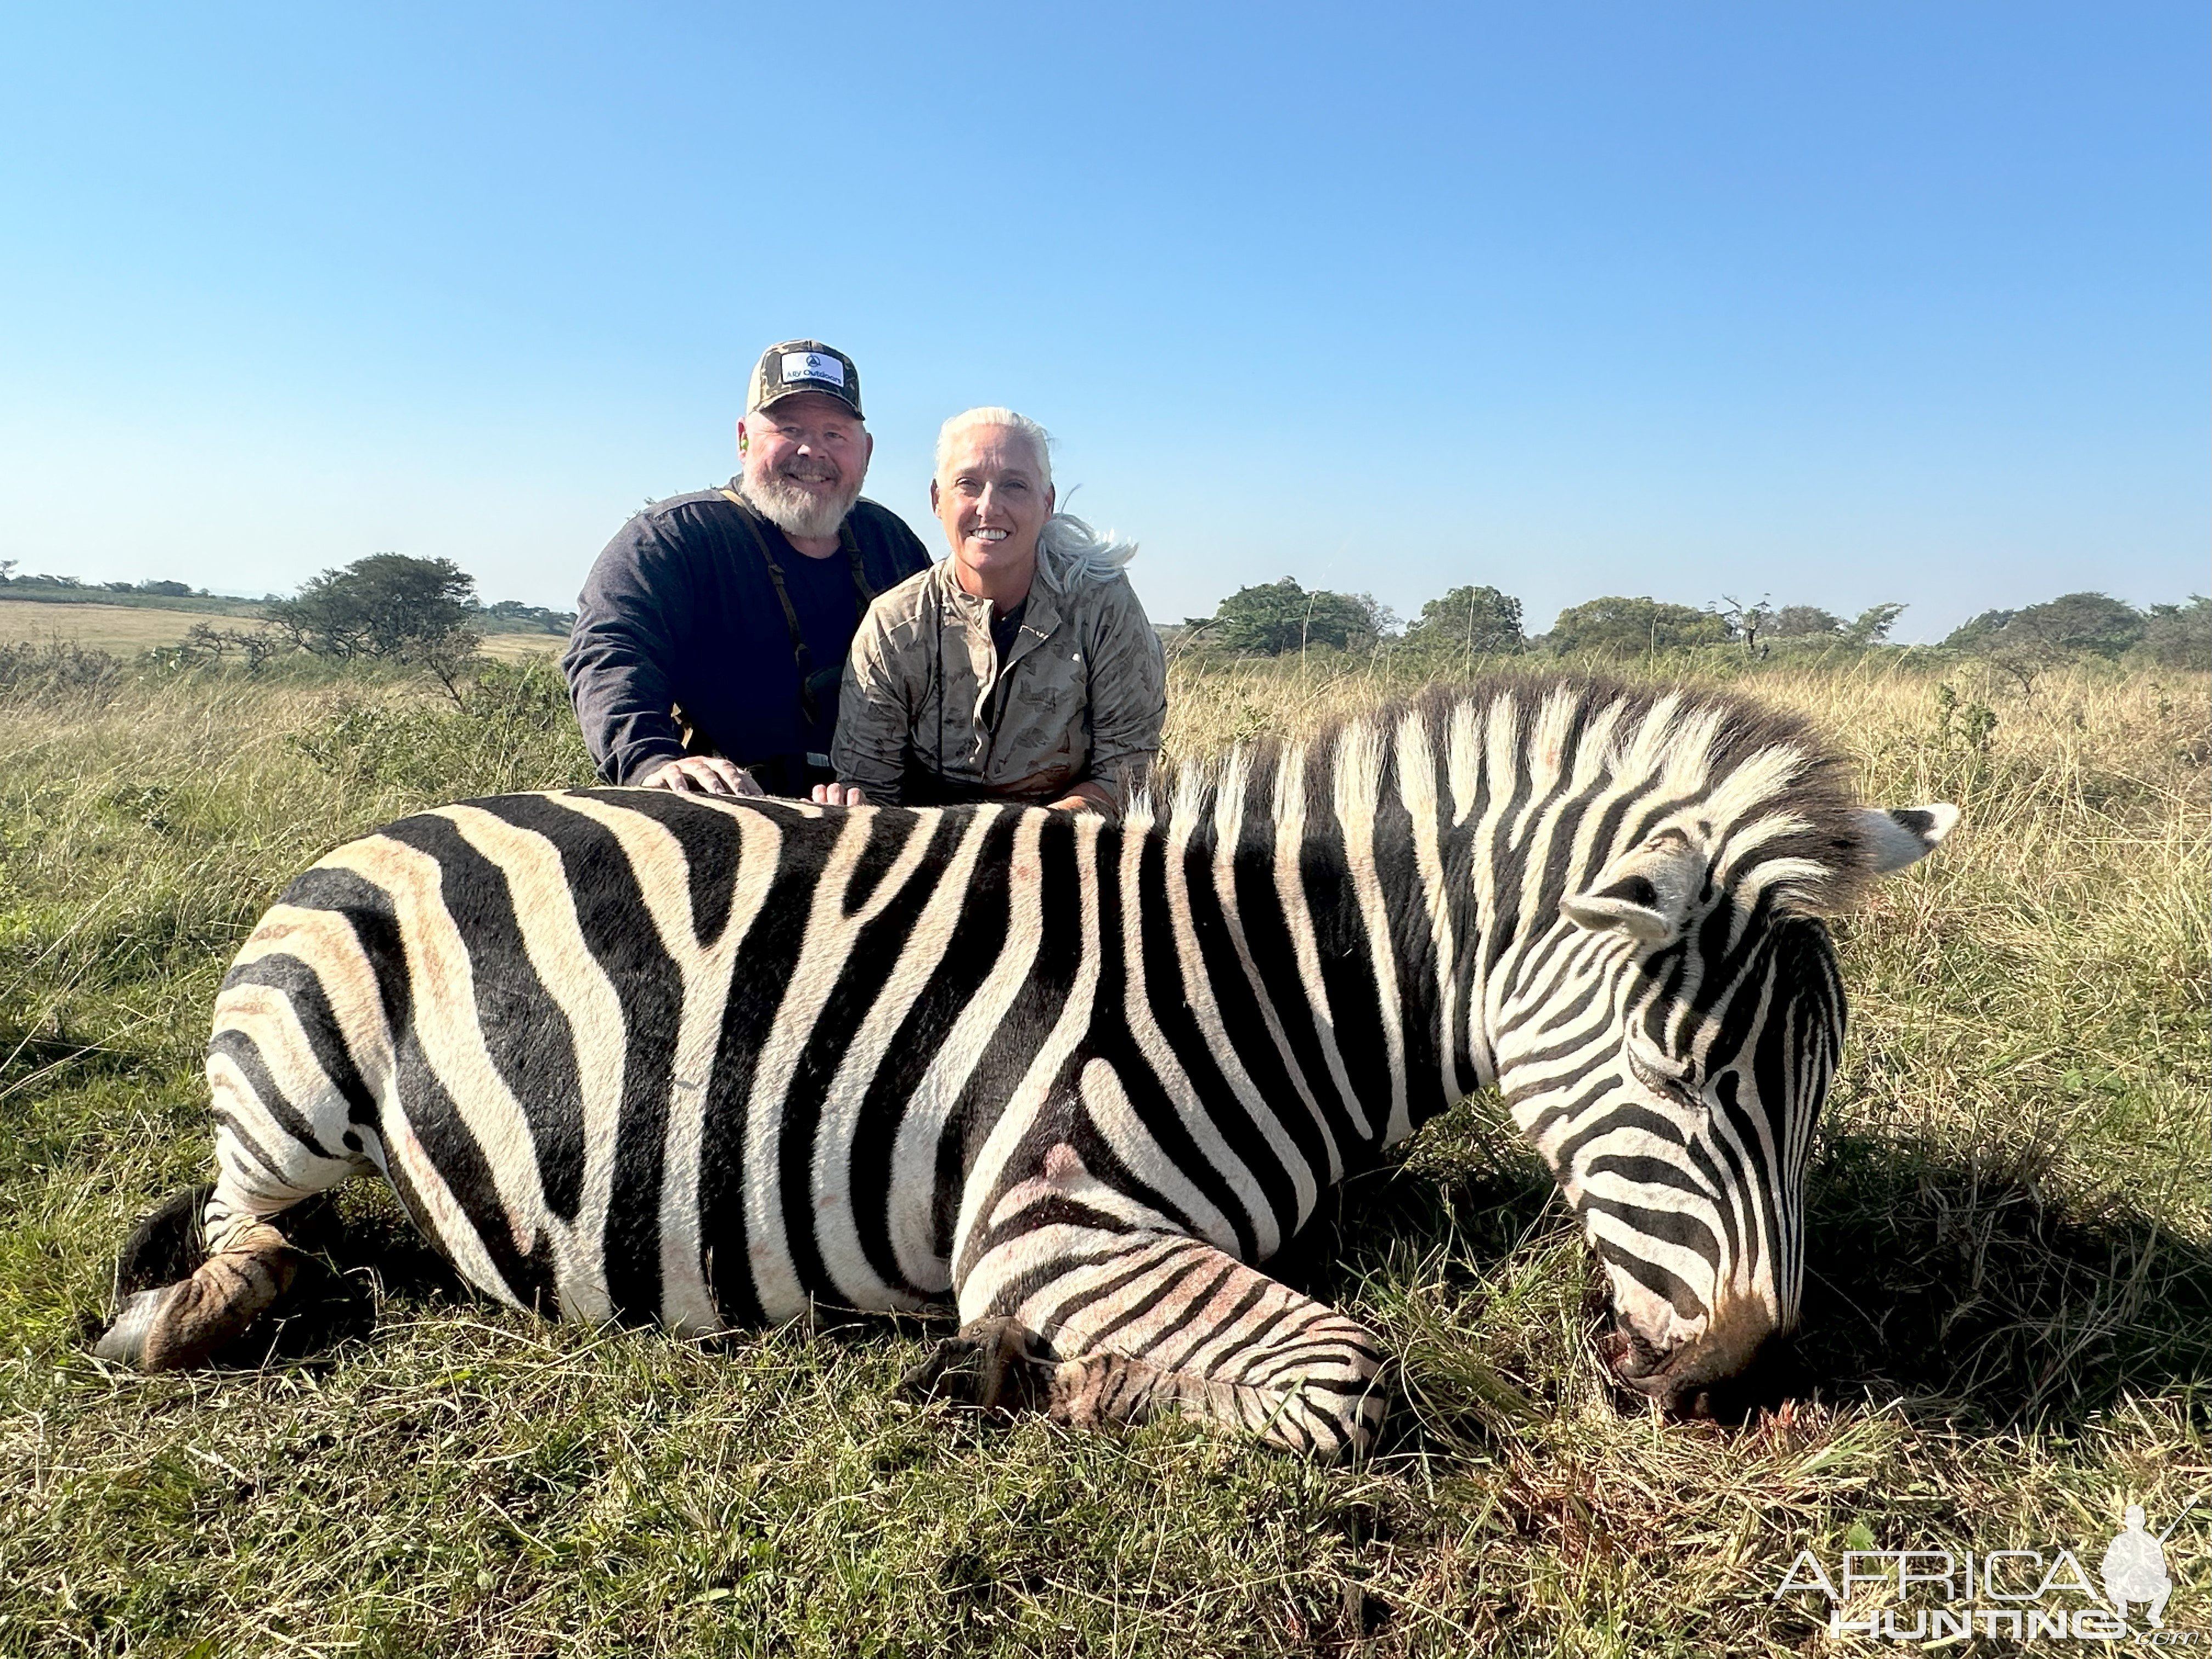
{"x": 1328, "y": 860}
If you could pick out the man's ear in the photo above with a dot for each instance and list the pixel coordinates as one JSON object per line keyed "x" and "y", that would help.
{"x": 741, "y": 435}
{"x": 932, "y": 494}
{"x": 1906, "y": 834}
{"x": 1646, "y": 893}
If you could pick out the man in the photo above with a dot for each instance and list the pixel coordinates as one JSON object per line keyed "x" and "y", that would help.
{"x": 711, "y": 634}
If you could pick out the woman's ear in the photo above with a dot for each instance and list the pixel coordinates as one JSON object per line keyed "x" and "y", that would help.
{"x": 933, "y": 495}
{"x": 1051, "y": 500}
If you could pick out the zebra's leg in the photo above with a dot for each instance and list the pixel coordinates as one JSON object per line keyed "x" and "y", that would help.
{"x": 1122, "y": 1325}
{"x": 270, "y": 1154}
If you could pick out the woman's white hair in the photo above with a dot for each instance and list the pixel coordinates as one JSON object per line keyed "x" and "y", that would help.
{"x": 1070, "y": 553}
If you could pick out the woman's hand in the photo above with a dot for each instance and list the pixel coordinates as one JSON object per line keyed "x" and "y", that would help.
{"x": 1082, "y": 798}
{"x": 838, "y": 794}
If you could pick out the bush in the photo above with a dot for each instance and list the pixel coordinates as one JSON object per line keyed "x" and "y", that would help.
{"x": 28, "y": 670}
{"x": 510, "y": 727}
{"x": 205, "y": 644}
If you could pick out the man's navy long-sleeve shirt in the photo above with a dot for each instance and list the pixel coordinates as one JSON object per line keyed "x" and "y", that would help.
{"x": 678, "y": 613}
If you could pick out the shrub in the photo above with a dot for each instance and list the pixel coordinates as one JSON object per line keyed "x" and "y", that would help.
{"x": 509, "y": 727}
{"x": 29, "y": 671}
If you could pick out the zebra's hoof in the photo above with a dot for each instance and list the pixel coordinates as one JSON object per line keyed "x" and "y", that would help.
{"x": 989, "y": 1365}
{"x": 124, "y": 1342}
{"x": 179, "y": 1326}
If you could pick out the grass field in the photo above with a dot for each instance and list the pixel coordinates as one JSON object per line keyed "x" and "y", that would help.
{"x": 117, "y": 627}
{"x": 128, "y": 629}
{"x": 2009, "y": 1320}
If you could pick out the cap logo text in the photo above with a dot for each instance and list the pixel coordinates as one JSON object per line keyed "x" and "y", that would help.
{"x": 813, "y": 366}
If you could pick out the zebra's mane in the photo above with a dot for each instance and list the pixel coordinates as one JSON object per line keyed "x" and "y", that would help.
{"x": 1764, "y": 779}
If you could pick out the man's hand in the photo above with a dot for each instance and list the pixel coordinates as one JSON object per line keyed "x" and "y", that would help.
{"x": 703, "y": 775}
{"x": 838, "y": 794}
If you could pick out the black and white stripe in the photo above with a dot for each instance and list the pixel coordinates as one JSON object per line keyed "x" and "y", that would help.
{"x": 632, "y": 1055}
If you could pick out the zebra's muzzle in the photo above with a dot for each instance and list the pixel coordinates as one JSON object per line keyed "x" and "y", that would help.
{"x": 1686, "y": 1384}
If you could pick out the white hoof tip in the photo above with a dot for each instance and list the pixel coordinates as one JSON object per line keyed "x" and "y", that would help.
{"x": 125, "y": 1342}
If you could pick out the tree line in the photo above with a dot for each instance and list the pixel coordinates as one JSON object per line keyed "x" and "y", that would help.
{"x": 394, "y": 607}
{"x": 355, "y": 610}
{"x": 1272, "y": 619}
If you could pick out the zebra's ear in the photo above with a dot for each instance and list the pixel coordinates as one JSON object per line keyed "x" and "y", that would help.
{"x": 1646, "y": 893}
{"x": 1906, "y": 834}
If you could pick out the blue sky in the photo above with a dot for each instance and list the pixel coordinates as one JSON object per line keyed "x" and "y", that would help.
{"x": 1837, "y": 303}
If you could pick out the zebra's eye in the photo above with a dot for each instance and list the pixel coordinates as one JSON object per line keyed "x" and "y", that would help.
{"x": 1663, "y": 1075}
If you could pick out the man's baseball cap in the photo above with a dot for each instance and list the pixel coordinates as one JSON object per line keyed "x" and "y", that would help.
{"x": 791, "y": 367}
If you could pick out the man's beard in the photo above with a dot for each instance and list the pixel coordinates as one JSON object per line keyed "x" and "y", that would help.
{"x": 798, "y": 512}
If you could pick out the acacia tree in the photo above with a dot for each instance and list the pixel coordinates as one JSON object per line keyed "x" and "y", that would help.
{"x": 386, "y": 606}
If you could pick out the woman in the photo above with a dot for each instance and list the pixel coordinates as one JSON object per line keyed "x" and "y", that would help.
{"x": 1022, "y": 668}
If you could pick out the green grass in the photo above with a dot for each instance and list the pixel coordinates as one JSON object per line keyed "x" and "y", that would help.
{"x": 2009, "y": 1324}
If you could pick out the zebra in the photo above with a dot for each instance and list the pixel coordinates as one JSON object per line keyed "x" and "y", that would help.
{"x": 627, "y": 1055}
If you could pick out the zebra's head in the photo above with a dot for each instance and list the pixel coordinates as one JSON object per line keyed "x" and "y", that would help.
{"x": 1666, "y": 1045}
